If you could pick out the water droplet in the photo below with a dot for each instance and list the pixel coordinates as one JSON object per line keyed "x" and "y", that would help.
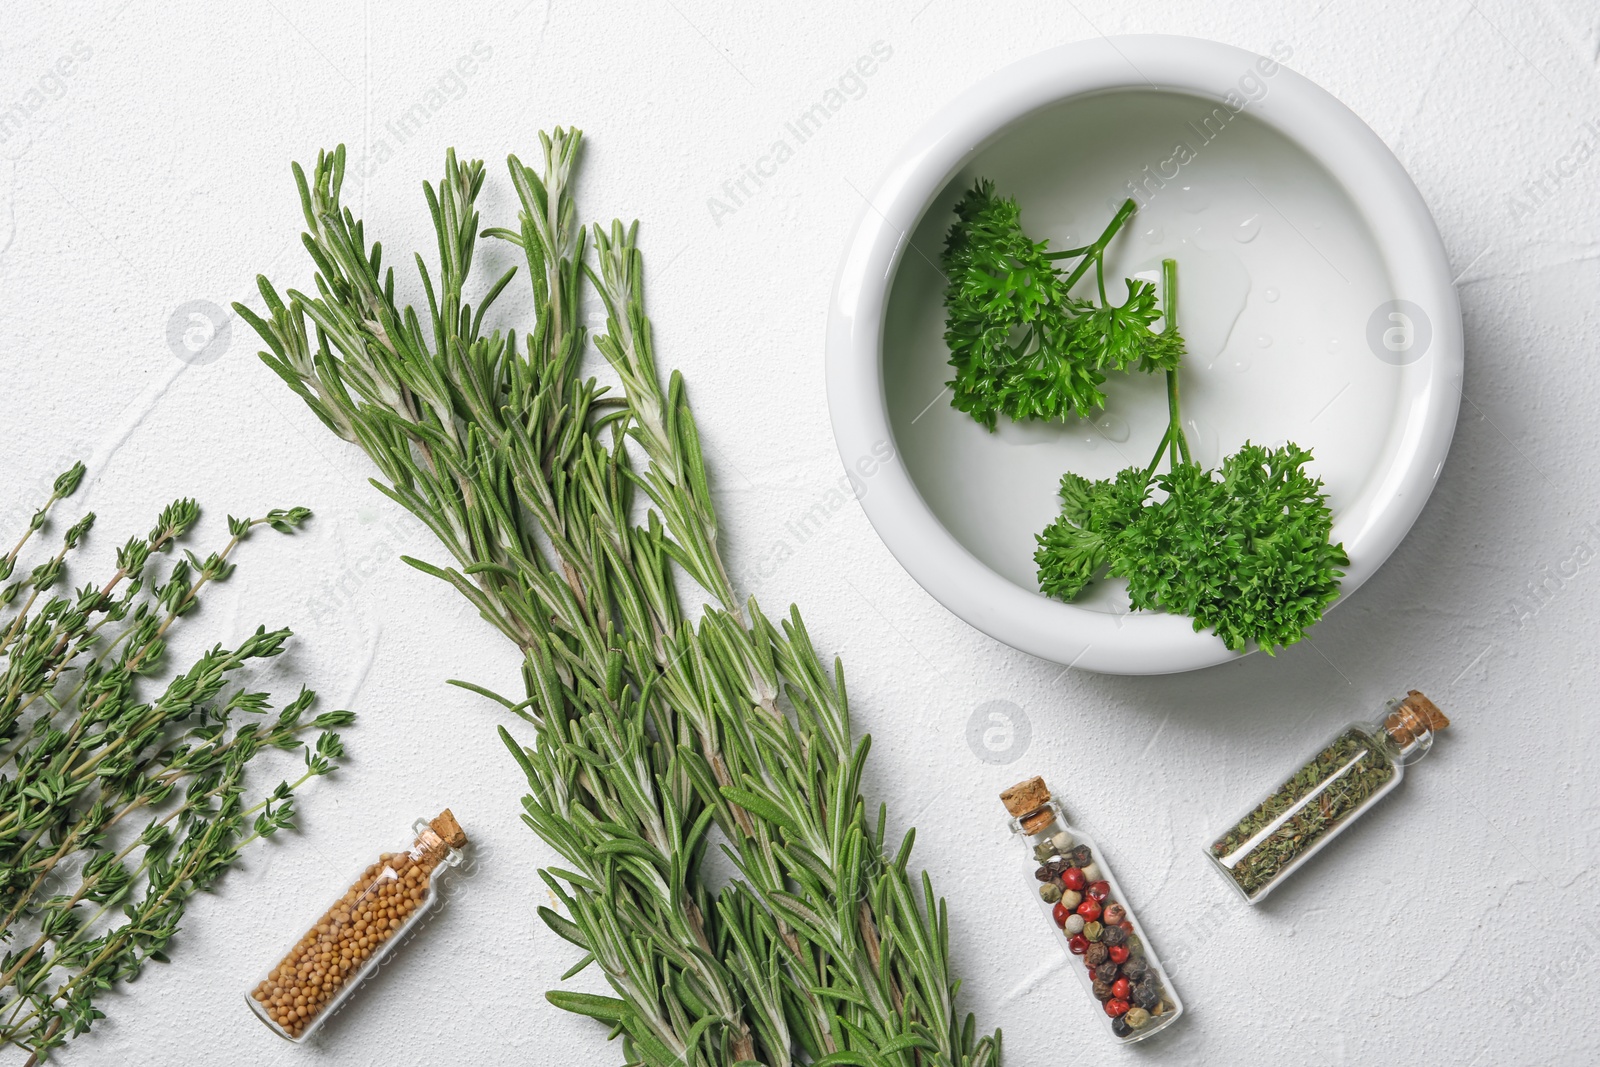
{"x": 1333, "y": 344}
{"x": 1202, "y": 443}
{"x": 1271, "y": 295}
{"x": 1153, "y": 235}
{"x": 1089, "y": 439}
{"x": 1194, "y": 198}
{"x": 1238, "y": 364}
{"x": 1263, "y": 341}
{"x": 1112, "y": 427}
{"x": 1247, "y": 230}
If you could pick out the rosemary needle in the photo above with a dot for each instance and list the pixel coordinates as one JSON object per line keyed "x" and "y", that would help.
{"x": 653, "y": 726}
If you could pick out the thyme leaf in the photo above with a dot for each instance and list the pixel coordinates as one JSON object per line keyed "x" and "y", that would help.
{"x": 87, "y": 753}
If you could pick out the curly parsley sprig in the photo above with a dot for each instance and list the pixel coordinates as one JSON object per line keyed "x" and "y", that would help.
{"x": 1020, "y": 343}
{"x": 1244, "y": 550}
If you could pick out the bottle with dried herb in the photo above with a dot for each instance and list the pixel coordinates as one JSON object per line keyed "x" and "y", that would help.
{"x": 1346, "y": 777}
{"x": 1076, "y": 889}
{"x": 350, "y": 939}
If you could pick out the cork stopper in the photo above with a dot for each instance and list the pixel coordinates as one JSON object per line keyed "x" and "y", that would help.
{"x": 1414, "y": 717}
{"x": 448, "y": 829}
{"x": 1026, "y": 802}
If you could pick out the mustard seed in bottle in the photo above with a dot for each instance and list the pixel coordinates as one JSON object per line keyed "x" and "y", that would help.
{"x": 349, "y": 940}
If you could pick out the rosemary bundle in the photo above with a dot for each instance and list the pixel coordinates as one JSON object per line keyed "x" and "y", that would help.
{"x": 116, "y": 808}
{"x": 653, "y": 728}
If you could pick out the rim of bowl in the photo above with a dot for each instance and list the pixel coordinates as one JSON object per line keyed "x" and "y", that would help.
{"x": 1403, "y": 232}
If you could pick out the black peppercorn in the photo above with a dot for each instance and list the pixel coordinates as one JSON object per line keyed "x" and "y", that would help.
{"x": 1121, "y": 1027}
{"x": 1136, "y": 970}
{"x": 1097, "y": 954}
{"x": 1107, "y": 972}
{"x": 1082, "y": 856}
{"x": 1043, "y": 874}
{"x": 1114, "y": 935}
{"x": 1146, "y": 994}
{"x": 1102, "y": 990}
{"x": 1056, "y": 864}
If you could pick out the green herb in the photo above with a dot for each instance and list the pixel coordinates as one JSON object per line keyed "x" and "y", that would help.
{"x": 1319, "y": 796}
{"x": 1243, "y": 550}
{"x": 83, "y": 760}
{"x": 1020, "y": 343}
{"x": 653, "y": 728}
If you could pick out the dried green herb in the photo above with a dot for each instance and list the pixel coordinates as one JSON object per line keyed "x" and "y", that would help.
{"x": 1312, "y": 803}
{"x": 86, "y": 896}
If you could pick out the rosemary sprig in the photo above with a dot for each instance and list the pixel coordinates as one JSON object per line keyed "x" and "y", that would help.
{"x": 81, "y": 753}
{"x": 653, "y": 728}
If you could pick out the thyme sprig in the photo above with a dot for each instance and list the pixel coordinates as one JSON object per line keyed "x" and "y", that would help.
{"x": 656, "y": 731}
{"x": 82, "y": 752}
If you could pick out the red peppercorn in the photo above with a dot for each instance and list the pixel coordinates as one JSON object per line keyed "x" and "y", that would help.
{"x": 1078, "y": 945}
{"x": 1127, "y": 926}
{"x": 1099, "y": 890}
{"x": 1121, "y": 988}
{"x": 1118, "y": 953}
{"x": 1072, "y": 878}
{"x": 1116, "y": 1006}
{"x": 1059, "y": 913}
{"x": 1090, "y": 910}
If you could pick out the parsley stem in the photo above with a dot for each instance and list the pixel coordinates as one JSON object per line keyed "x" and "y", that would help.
{"x": 1155, "y": 460}
{"x": 1096, "y": 251}
{"x": 1169, "y": 303}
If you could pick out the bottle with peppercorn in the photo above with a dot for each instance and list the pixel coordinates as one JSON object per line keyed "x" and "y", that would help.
{"x": 350, "y": 939}
{"x": 1076, "y": 888}
{"x": 1334, "y": 788}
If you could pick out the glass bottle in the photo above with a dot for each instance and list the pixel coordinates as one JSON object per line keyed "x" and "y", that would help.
{"x": 1075, "y": 888}
{"x": 1345, "y": 778}
{"x": 350, "y": 939}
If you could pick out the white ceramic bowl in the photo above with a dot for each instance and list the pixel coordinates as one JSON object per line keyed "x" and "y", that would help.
{"x": 1317, "y": 300}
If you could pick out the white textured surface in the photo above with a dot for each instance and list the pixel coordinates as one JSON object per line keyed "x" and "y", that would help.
{"x": 1456, "y": 926}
